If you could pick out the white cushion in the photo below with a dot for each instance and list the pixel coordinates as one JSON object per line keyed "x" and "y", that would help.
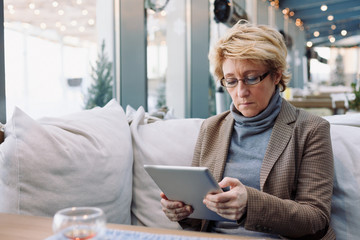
{"x": 82, "y": 159}
{"x": 345, "y": 208}
{"x": 349, "y": 119}
{"x": 169, "y": 142}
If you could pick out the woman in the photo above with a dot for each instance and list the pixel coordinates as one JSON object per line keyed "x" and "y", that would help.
{"x": 276, "y": 159}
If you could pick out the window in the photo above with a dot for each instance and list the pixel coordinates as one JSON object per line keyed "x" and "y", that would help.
{"x": 50, "y": 49}
{"x": 167, "y": 56}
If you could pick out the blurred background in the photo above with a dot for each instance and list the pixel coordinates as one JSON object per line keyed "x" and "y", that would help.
{"x": 63, "y": 56}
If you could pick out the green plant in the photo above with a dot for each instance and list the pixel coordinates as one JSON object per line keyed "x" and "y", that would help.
{"x": 100, "y": 91}
{"x": 355, "y": 103}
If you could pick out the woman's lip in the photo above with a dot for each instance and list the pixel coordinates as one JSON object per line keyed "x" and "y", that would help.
{"x": 246, "y": 103}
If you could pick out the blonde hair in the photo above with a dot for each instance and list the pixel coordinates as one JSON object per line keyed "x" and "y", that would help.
{"x": 259, "y": 44}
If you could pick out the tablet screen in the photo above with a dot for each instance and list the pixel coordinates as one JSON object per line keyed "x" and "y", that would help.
{"x": 186, "y": 184}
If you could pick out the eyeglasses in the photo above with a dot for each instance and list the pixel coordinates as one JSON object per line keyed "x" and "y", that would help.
{"x": 233, "y": 82}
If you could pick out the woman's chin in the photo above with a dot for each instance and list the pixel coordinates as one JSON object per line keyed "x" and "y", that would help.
{"x": 247, "y": 112}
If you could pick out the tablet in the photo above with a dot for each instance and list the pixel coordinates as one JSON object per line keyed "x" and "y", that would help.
{"x": 188, "y": 185}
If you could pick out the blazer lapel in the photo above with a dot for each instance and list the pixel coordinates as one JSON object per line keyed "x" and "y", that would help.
{"x": 279, "y": 139}
{"x": 223, "y": 148}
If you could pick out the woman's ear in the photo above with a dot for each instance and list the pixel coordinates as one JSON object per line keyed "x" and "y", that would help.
{"x": 277, "y": 77}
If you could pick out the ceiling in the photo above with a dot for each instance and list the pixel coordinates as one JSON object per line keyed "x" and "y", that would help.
{"x": 64, "y": 18}
{"x": 346, "y": 16}
{"x": 77, "y": 18}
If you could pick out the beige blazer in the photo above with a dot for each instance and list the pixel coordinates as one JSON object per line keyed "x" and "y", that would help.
{"x": 296, "y": 177}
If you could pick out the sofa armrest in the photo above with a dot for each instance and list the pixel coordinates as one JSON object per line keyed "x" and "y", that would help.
{"x": 2, "y": 135}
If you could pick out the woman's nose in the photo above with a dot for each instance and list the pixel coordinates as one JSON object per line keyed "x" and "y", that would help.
{"x": 242, "y": 89}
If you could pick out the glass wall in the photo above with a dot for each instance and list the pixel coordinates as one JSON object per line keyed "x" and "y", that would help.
{"x": 167, "y": 56}
{"x": 334, "y": 66}
{"x": 51, "y": 48}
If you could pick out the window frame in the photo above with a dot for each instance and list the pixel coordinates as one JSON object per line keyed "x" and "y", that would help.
{"x": 2, "y": 67}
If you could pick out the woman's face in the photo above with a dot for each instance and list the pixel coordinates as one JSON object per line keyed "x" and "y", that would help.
{"x": 250, "y": 100}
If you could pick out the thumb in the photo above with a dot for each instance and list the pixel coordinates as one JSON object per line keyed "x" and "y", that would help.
{"x": 228, "y": 182}
{"x": 162, "y": 195}
{"x": 224, "y": 183}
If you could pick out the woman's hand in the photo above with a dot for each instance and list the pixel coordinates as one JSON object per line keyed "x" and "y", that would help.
{"x": 230, "y": 204}
{"x": 175, "y": 210}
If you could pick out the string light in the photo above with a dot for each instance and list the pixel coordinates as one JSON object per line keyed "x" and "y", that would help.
{"x": 274, "y": 3}
{"x": 61, "y": 24}
{"x": 91, "y": 21}
{"x": 11, "y": 9}
{"x": 285, "y": 11}
{"x": 32, "y": 5}
{"x": 298, "y": 22}
{"x": 323, "y": 7}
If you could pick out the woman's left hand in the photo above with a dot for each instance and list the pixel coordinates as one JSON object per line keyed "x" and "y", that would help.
{"x": 230, "y": 204}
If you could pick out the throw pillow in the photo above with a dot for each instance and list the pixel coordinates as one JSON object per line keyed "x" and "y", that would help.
{"x": 169, "y": 142}
{"x": 82, "y": 159}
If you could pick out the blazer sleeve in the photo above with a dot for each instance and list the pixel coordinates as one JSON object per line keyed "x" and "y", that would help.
{"x": 188, "y": 223}
{"x": 306, "y": 213}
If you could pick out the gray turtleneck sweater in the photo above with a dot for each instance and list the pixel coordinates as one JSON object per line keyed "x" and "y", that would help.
{"x": 249, "y": 140}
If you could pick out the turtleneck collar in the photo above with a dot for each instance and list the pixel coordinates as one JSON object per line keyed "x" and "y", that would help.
{"x": 264, "y": 119}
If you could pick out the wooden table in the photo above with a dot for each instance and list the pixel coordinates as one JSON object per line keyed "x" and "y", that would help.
{"x": 318, "y": 103}
{"x": 22, "y": 227}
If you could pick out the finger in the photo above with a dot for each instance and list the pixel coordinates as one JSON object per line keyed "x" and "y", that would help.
{"x": 229, "y": 213}
{"x": 216, "y": 204}
{"x": 224, "y": 182}
{"x": 219, "y": 197}
{"x": 162, "y": 195}
{"x": 171, "y": 204}
{"x": 229, "y": 182}
{"x": 186, "y": 209}
{"x": 224, "y": 207}
{"x": 178, "y": 213}
{"x": 176, "y": 217}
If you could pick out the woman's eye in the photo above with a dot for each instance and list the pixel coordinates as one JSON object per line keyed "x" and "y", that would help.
{"x": 231, "y": 81}
{"x": 251, "y": 78}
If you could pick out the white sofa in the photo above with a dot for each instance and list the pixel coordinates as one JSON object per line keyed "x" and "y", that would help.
{"x": 96, "y": 157}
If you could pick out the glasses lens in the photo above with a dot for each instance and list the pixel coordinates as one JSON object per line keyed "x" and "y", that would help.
{"x": 230, "y": 82}
{"x": 252, "y": 80}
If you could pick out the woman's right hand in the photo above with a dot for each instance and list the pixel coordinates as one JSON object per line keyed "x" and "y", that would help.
{"x": 175, "y": 210}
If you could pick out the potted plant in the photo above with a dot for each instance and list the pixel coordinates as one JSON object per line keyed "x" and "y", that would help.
{"x": 101, "y": 90}
{"x": 354, "y": 102}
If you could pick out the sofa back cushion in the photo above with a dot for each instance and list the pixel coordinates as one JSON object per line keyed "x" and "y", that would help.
{"x": 345, "y": 208}
{"x": 169, "y": 142}
{"x": 83, "y": 159}
{"x": 172, "y": 142}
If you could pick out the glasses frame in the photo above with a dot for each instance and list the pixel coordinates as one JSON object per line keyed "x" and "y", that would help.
{"x": 245, "y": 80}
